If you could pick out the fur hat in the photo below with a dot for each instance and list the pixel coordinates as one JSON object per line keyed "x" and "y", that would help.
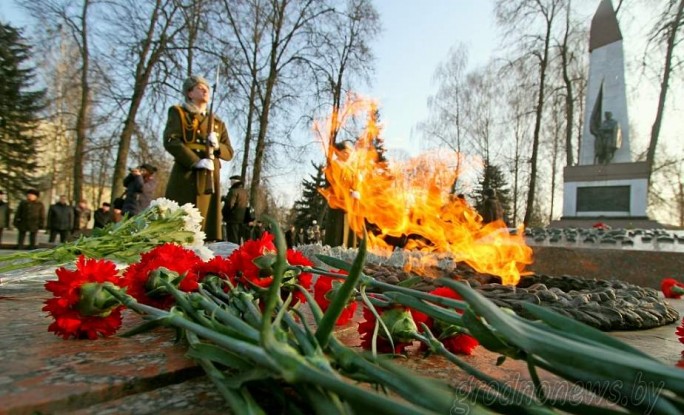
{"x": 33, "y": 192}
{"x": 235, "y": 178}
{"x": 148, "y": 167}
{"x": 192, "y": 82}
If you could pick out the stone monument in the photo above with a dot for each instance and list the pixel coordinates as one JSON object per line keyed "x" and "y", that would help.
{"x": 606, "y": 186}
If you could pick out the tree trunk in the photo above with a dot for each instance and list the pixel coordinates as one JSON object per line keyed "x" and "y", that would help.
{"x": 143, "y": 72}
{"x": 667, "y": 69}
{"x": 84, "y": 108}
{"x": 543, "y": 64}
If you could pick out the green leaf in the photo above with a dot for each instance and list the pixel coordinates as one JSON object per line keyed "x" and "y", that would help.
{"x": 218, "y": 355}
{"x": 334, "y": 262}
{"x": 487, "y": 339}
{"x": 579, "y": 329}
{"x": 144, "y": 327}
{"x": 265, "y": 261}
{"x": 256, "y": 374}
{"x": 410, "y": 282}
{"x": 440, "y": 313}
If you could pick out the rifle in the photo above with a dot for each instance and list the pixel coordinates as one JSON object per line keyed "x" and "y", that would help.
{"x": 209, "y": 186}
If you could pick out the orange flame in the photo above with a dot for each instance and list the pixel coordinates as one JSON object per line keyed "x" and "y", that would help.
{"x": 411, "y": 198}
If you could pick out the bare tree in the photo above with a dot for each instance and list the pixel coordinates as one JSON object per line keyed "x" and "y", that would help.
{"x": 669, "y": 26}
{"x": 517, "y": 116}
{"x": 445, "y": 123}
{"x": 342, "y": 53}
{"x": 272, "y": 43}
{"x": 73, "y": 18}
{"x": 150, "y": 28}
{"x": 520, "y": 16}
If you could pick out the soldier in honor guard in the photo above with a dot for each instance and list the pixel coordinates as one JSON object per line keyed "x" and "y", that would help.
{"x": 197, "y": 140}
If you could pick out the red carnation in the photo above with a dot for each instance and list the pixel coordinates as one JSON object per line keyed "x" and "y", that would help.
{"x": 70, "y": 302}
{"x": 174, "y": 258}
{"x": 243, "y": 268}
{"x": 459, "y": 343}
{"x": 218, "y": 266}
{"x": 398, "y": 332}
{"x": 672, "y": 288}
{"x": 323, "y": 290}
{"x": 446, "y": 292}
{"x": 304, "y": 279}
{"x": 680, "y": 332}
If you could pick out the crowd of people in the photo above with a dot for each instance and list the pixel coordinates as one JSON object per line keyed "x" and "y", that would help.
{"x": 61, "y": 219}
{"x": 69, "y": 222}
{"x": 197, "y": 140}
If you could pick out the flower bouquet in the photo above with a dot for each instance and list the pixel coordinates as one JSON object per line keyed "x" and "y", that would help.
{"x": 242, "y": 318}
{"x": 163, "y": 221}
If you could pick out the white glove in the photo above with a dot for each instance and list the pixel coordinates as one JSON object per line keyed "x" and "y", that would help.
{"x": 212, "y": 139}
{"x": 207, "y": 164}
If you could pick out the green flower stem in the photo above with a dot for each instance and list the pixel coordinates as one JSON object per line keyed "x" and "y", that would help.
{"x": 241, "y": 348}
{"x": 384, "y": 287}
{"x": 327, "y": 324}
{"x": 324, "y": 402}
{"x": 361, "y": 397}
{"x": 592, "y": 363}
{"x": 405, "y": 386}
{"x": 652, "y": 400}
{"x": 279, "y": 268}
{"x": 351, "y": 361}
{"x": 235, "y": 322}
{"x": 250, "y": 312}
{"x": 304, "y": 342}
{"x": 435, "y": 345}
{"x": 538, "y": 388}
{"x": 378, "y": 323}
{"x": 439, "y": 313}
{"x": 238, "y": 403}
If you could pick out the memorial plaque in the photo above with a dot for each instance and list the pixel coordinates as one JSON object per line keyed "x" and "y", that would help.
{"x": 603, "y": 199}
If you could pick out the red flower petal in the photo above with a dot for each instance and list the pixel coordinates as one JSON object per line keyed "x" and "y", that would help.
{"x": 304, "y": 279}
{"x": 680, "y": 332}
{"x": 218, "y": 266}
{"x": 383, "y": 345}
{"x": 461, "y": 344}
{"x": 446, "y": 292}
{"x": 669, "y": 286}
{"x": 243, "y": 268}
{"x": 322, "y": 292}
{"x": 69, "y": 322}
{"x": 171, "y": 256}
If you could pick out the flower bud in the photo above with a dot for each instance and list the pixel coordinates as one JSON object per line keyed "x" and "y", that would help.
{"x": 94, "y": 300}
{"x": 400, "y": 324}
{"x": 155, "y": 281}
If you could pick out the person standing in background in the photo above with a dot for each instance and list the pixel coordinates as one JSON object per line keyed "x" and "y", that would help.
{"x": 82, "y": 215}
{"x": 60, "y": 220}
{"x": 291, "y": 237}
{"x": 140, "y": 186}
{"x": 4, "y": 214}
{"x": 234, "y": 210}
{"x": 102, "y": 216}
{"x": 30, "y": 217}
{"x": 492, "y": 209}
{"x": 197, "y": 151}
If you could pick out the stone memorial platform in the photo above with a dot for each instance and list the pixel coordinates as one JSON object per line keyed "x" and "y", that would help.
{"x": 41, "y": 373}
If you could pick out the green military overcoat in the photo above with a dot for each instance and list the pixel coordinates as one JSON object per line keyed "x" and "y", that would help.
{"x": 185, "y": 137}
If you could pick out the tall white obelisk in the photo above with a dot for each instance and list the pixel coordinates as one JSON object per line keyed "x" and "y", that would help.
{"x": 606, "y": 72}
{"x": 606, "y": 185}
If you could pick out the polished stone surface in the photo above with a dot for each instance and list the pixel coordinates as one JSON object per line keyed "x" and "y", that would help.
{"x": 148, "y": 373}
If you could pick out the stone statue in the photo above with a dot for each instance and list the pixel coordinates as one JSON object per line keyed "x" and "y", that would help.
{"x": 608, "y": 140}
